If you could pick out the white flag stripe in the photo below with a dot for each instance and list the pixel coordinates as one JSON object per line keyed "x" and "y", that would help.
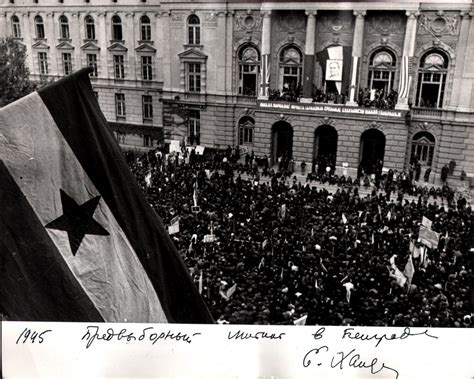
{"x": 106, "y": 266}
{"x": 335, "y": 52}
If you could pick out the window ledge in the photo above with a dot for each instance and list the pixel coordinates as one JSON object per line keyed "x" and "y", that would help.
{"x": 188, "y": 46}
{"x": 141, "y": 42}
{"x": 64, "y": 39}
{"x": 117, "y": 41}
{"x": 90, "y": 40}
{"x": 121, "y": 118}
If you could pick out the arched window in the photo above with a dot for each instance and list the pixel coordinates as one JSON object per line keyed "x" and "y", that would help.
{"x": 90, "y": 27}
{"x": 432, "y": 79}
{"x": 145, "y": 28}
{"x": 246, "y": 130}
{"x": 422, "y": 148}
{"x": 39, "y": 26}
{"x": 194, "y": 30}
{"x": 249, "y": 70}
{"x": 116, "y": 28}
{"x": 291, "y": 69}
{"x": 16, "y": 27}
{"x": 382, "y": 70}
{"x": 63, "y": 27}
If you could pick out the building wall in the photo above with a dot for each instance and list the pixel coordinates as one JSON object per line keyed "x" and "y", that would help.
{"x": 225, "y": 27}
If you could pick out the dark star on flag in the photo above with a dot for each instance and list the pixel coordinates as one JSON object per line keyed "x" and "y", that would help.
{"x": 77, "y": 220}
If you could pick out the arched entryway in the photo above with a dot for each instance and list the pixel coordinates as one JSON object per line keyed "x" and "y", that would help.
{"x": 282, "y": 141}
{"x": 372, "y": 151}
{"x": 325, "y": 148}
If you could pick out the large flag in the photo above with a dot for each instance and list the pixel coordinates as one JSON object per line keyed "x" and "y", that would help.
{"x": 79, "y": 241}
{"x": 338, "y": 60}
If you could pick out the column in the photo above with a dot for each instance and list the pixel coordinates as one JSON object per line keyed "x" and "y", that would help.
{"x": 406, "y": 71}
{"x": 308, "y": 75}
{"x": 266, "y": 53}
{"x": 28, "y": 40}
{"x": 357, "y": 48}
{"x": 52, "y": 34}
{"x": 3, "y": 25}
{"x": 102, "y": 34}
{"x": 221, "y": 45}
{"x": 129, "y": 37}
{"x": 462, "y": 58}
{"x": 74, "y": 26}
{"x": 229, "y": 52}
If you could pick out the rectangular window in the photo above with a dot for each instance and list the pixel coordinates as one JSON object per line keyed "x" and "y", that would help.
{"x": 246, "y": 136}
{"x": 39, "y": 31}
{"x": 92, "y": 61}
{"x": 120, "y": 105}
{"x": 147, "y": 107}
{"x": 16, "y": 30}
{"x": 194, "y": 35}
{"x": 194, "y": 77}
{"x": 147, "y": 140}
{"x": 119, "y": 68}
{"x": 146, "y": 32}
{"x": 147, "y": 73}
{"x": 43, "y": 63}
{"x": 90, "y": 30}
{"x": 194, "y": 127}
{"x": 67, "y": 63}
{"x": 120, "y": 136}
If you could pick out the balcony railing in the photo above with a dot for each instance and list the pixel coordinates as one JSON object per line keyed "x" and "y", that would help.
{"x": 241, "y": 99}
{"x": 427, "y": 112}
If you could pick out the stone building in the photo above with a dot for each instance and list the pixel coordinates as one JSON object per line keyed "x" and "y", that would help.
{"x": 353, "y": 86}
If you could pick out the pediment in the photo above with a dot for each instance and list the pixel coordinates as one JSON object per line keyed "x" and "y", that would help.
{"x": 117, "y": 47}
{"x": 145, "y": 48}
{"x": 40, "y": 45}
{"x": 90, "y": 46}
{"x": 192, "y": 55}
{"x": 65, "y": 46}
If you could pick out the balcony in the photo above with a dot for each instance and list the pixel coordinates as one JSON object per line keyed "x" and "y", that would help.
{"x": 247, "y": 100}
{"x": 427, "y": 112}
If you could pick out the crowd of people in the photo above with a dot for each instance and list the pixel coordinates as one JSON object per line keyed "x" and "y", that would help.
{"x": 283, "y": 249}
{"x": 377, "y": 98}
{"x": 368, "y": 98}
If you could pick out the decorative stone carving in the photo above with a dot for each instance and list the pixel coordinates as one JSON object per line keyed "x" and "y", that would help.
{"x": 210, "y": 16}
{"x": 386, "y": 25}
{"x": 438, "y": 24}
{"x": 340, "y": 23}
{"x": 247, "y": 22}
{"x": 427, "y": 126}
{"x": 375, "y": 125}
{"x": 326, "y": 121}
{"x": 177, "y": 16}
{"x": 291, "y": 22}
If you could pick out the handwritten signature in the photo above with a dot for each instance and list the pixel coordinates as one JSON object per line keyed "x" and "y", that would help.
{"x": 342, "y": 360}
{"x": 350, "y": 334}
{"x": 94, "y": 333}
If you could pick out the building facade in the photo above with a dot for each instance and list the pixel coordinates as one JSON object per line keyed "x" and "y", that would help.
{"x": 353, "y": 86}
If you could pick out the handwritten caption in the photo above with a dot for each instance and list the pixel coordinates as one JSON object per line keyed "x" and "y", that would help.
{"x": 325, "y": 353}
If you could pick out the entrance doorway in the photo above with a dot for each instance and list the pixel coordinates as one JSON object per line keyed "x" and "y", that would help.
{"x": 372, "y": 146}
{"x": 282, "y": 141}
{"x": 325, "y": 148}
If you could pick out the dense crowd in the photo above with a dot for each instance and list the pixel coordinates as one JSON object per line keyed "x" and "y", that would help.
{"x": 290, "y": 248}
